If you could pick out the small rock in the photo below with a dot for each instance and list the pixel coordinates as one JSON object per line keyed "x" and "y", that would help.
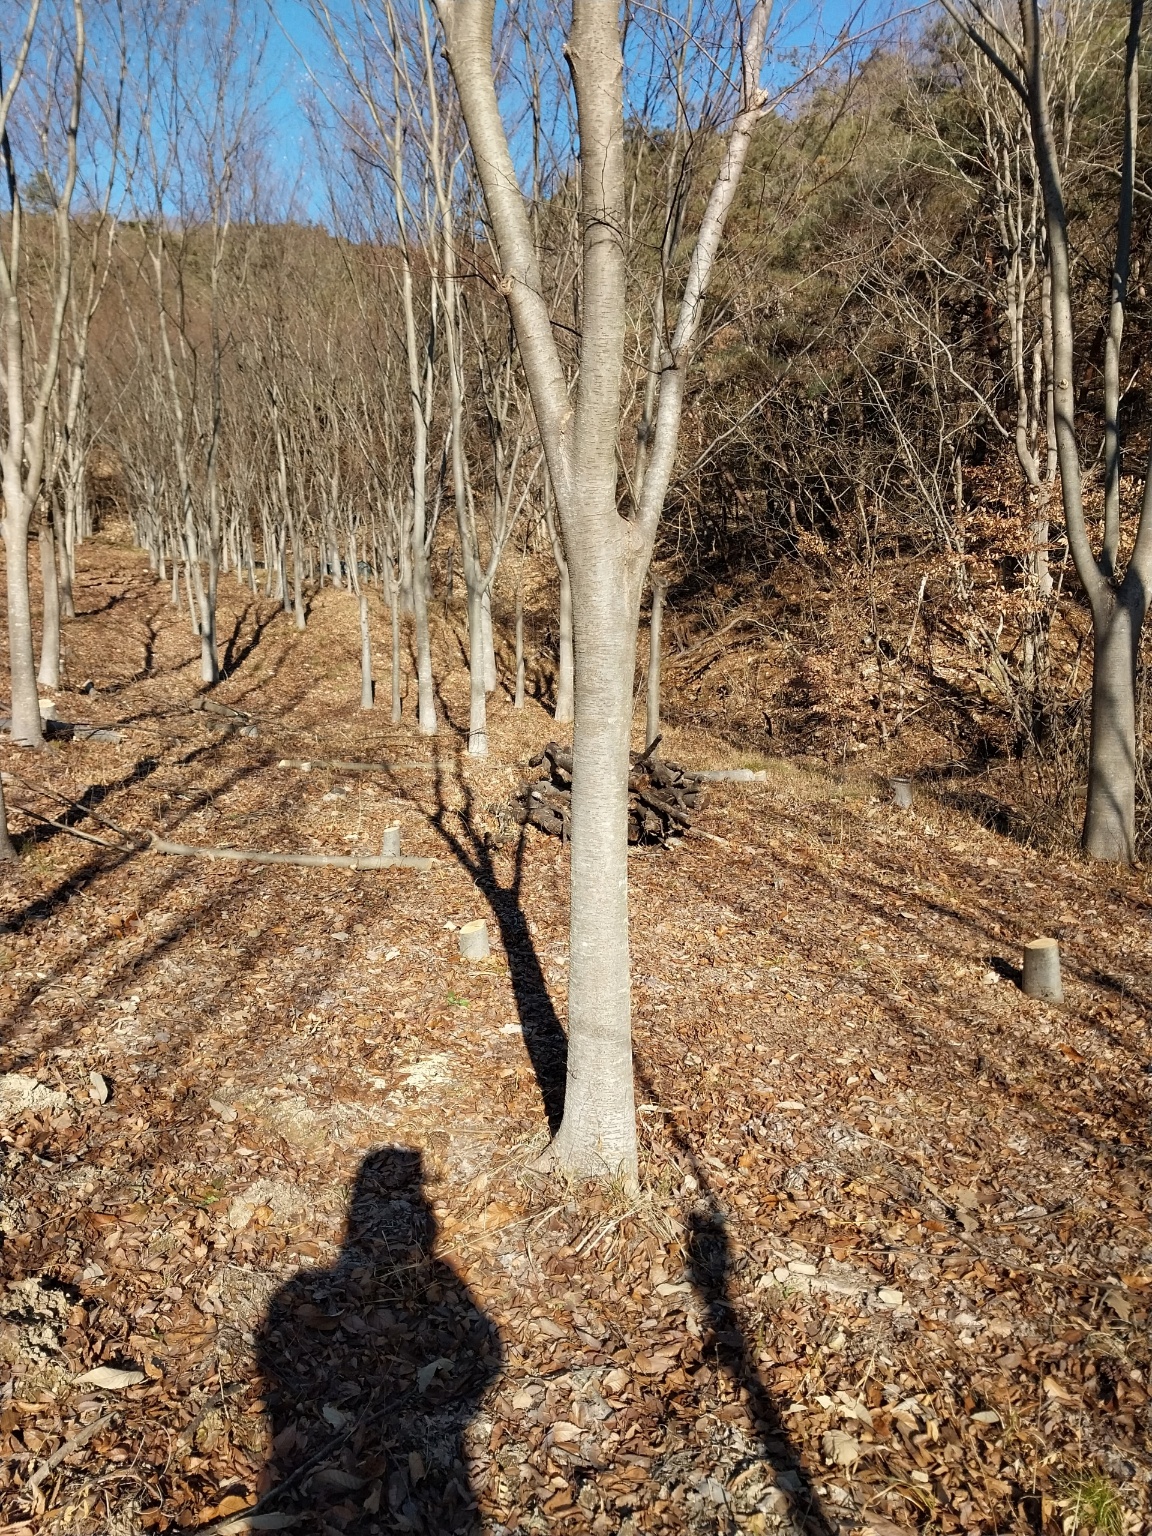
{"x": 890, "y": 1297}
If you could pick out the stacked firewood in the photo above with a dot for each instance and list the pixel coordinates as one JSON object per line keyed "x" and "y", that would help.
{"x": 661, "y": 796}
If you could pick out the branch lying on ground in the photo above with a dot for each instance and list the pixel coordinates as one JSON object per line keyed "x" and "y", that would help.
{"x": 318, "y": 860}
{"x": 85, "y": 837}
{"x": 306, "y": 763}
{"x": 77, "y": 805}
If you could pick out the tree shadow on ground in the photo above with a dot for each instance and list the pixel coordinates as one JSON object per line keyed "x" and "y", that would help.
{"x": 711, "y": 1263}
{"x": 372, "y": 1370}
{"x": 79, "y": 806}
{"x": 235, "y": 654}
{"x": 544, "y": 1037}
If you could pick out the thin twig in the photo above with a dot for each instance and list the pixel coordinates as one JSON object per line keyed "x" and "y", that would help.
{"x": 85, "y": 837}
{"x": 77, "y": 805}
{"x": 79, "y": 1439}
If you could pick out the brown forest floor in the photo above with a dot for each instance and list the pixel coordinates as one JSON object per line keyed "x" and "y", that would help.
{"x": 891, "y": 1263}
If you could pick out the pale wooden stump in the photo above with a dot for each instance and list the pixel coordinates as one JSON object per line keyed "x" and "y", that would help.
{"x": 1042, "y": 971}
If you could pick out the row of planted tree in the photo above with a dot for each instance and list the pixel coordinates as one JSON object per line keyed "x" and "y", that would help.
{"x": 534, "y": 224}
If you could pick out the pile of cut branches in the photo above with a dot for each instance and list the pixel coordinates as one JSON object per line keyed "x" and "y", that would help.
{"x": 661, "y": 796}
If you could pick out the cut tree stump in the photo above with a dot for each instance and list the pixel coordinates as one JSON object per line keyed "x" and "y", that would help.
{"x": 1041, "y": 975}
{"x": 473, "y": 940}
{"x": 390, "y": 843}
{"x": 902, "y": 794}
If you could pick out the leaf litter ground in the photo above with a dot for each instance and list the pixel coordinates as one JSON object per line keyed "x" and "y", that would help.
{"x": 273, "y": 1256}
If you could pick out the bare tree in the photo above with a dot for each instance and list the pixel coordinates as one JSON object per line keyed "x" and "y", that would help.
{"x": 1118, "y": 599}
{"x": 28, "y": 388}
{"x": 607, "y": 553}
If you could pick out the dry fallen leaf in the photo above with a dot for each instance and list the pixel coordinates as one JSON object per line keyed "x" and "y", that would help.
{"x": 110, "y": 1379}
{"x": 98, "y": 1092}
{"x": 1119, "y": 1304}
{"x": 495, "y": 1215}
{"x": 840, "y": 1448}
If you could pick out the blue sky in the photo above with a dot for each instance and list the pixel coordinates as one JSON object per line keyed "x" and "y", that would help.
{"x": 296, "y": 46}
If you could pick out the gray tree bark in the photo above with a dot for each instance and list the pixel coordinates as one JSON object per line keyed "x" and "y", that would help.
{"x": 1118, "y": 603}
{"x": 7, "y": 846}
{"x": 49, "y": 673}
{"x": 655, "y": 628}
{"x": 565, "y": 665}
{"x": 1110, "y": 815}
{"x": 607, "y": 554}
{"x": 365, "y": 655}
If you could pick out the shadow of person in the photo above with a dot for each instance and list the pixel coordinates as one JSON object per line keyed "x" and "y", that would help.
{"x": 371, "y": 1371}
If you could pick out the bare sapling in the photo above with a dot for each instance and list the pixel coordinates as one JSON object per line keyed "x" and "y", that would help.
{"x": 49, "y": 674}
{"x": 565, "y": 665}
{"x": 655, "y": 628}
{"x": 366, "y": 690}
{"x": 518, "y": 701}
{"x": 7, "y": 846}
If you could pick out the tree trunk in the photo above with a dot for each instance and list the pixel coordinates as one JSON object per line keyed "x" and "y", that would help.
{"x": 598, "y": 1133}
{"x": 67, "y": 553}
{"x": 489, "y": 653}
{"x": 607, "y": 555}
{"x": 188, "y": 593}
{"x": 7, "y": 846}
{"x": 478, "y": 696}
{"x": 1110, "y": 819}
{"x": 49, "y": 674}
{"x": 655, "y": 627}
{"x": 26, "y": 726}
{"x": 395, "y": 613}
{"x": 425, "y": 687}
{"x": 565, "y": 678}
{"x": 209, "y": 666}
{"x": 519, "y": 700}
{"x": 297, "y": 593}
{"x": 365, "y": 655}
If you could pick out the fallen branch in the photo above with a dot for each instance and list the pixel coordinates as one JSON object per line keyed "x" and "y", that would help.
{"x": 85, "y": 837}
{"x": 731, "y": 775}
{"x": 312, "y": 860}
{"x": 77, "y": 805}
{"x": 306, "y": 763}
{"x": 76, "y": 1443}
{"x": 216, "y": 707}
